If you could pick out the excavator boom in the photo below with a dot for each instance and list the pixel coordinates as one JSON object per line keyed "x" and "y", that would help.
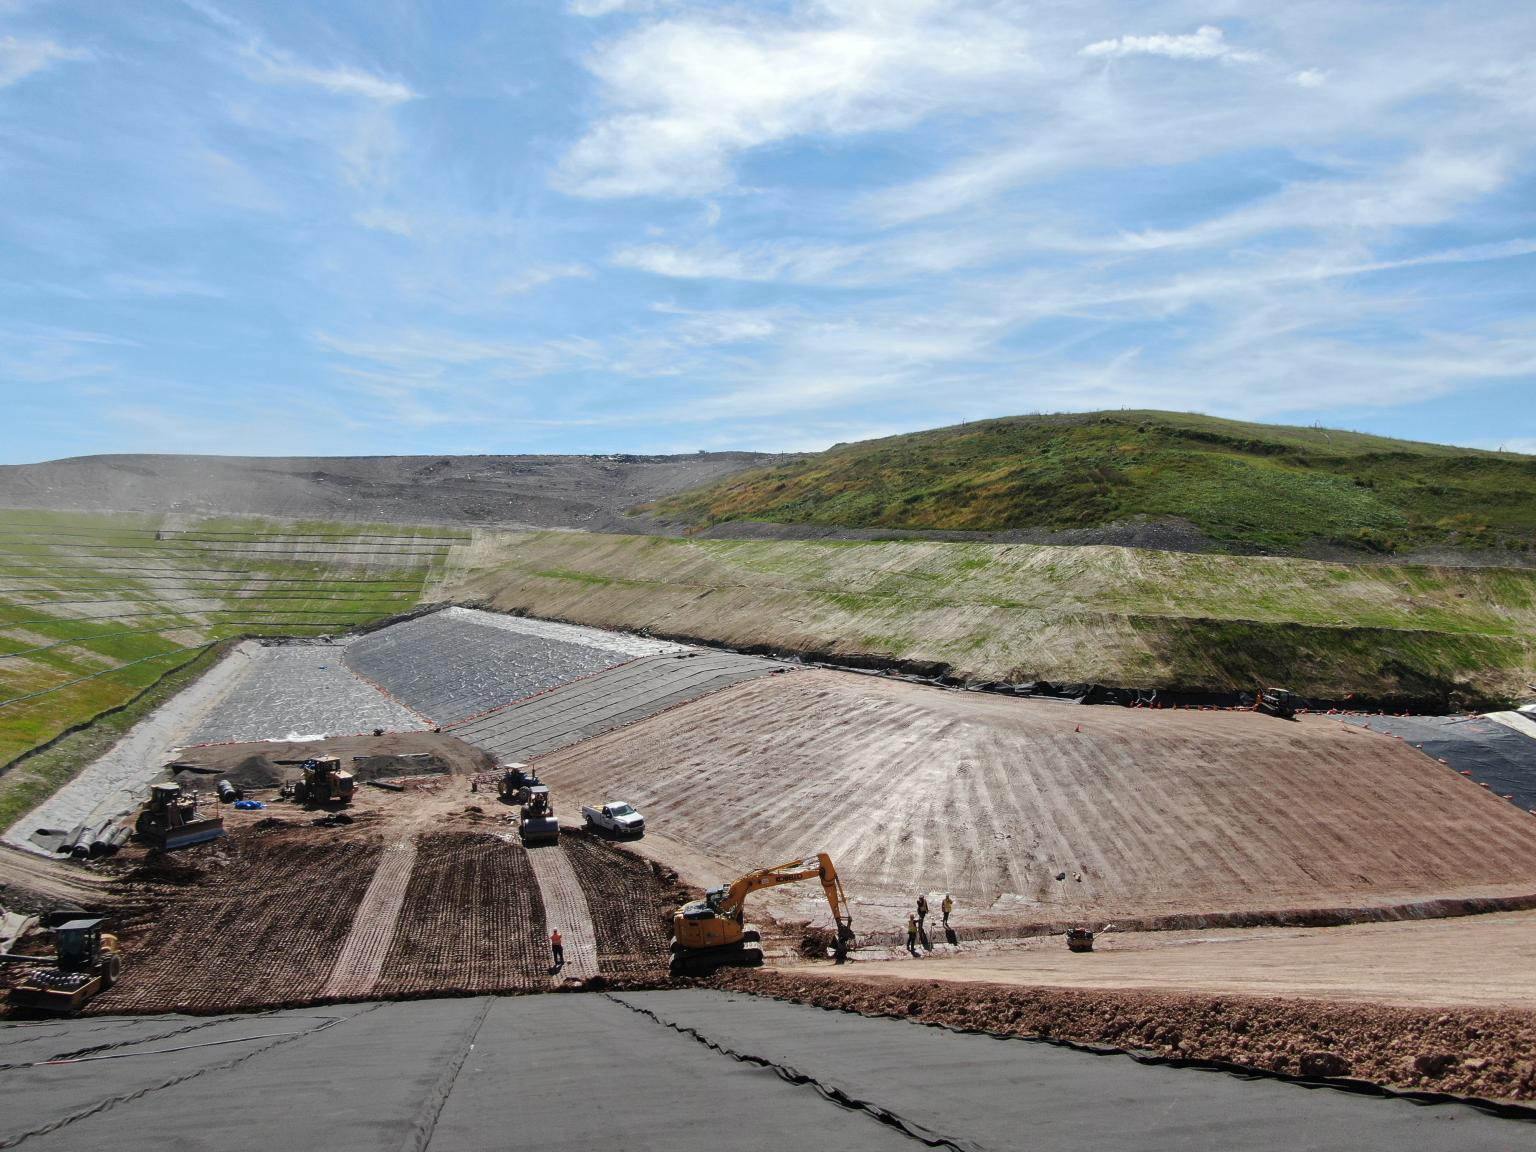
{"x": 717, "y": 921}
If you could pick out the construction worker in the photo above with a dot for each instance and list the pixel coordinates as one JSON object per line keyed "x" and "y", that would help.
{"x": 946, "y": 908}
{"x": 922, "y": 910}
{"x": 912, "y": 934}
{"x": 557, "y": 946}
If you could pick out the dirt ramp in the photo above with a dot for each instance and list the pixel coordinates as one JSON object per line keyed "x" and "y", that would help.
{"x": 1029, "y": 809}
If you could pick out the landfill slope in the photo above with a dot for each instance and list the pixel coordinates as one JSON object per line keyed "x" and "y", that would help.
{"x": 1041, "y": 811}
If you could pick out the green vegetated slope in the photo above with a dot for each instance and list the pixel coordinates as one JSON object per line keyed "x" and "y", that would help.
{"x": 96, "y": 608}
{"x": 1109, "y": 615}
{"x": 1251, "y": 485}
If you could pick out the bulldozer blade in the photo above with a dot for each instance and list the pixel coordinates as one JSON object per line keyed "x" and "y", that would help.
{"x": 199, "y": 832}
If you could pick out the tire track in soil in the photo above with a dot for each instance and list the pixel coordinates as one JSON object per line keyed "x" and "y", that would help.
{"x": 566, "y": 908}
{"x": 373, "y": 928}
{"x": 472, "y": 920}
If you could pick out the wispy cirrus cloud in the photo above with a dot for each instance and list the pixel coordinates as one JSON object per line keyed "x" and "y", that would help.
{"x": 21, "y": 57}
{"x": 1205, "y": 43}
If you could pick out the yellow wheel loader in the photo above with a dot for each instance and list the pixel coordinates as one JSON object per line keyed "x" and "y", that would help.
{"x": 712, "y": 932}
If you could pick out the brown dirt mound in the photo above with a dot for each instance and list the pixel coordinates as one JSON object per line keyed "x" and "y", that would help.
{"x": 1482, "y": 1054}
{"x": 255, "y": 765}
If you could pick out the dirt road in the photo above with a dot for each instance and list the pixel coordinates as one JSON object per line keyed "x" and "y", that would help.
{"x": 1468, "y": 962}
{"x": 1032, "y": 811}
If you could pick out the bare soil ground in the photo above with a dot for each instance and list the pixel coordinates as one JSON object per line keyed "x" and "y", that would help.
{"x": 254, "y": 764}
{"x": 1034, "y": 813}
{"x": 250, "y": 922}
{"x": 1461, "y": 962}
{"x": 422, "y": 893}
{"x": 1468, "y": 1053}
{"x": 472, "y": 921}
{"x": 634, "y": 920}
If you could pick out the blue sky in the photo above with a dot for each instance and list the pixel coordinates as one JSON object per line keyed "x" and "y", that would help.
{"x": 641, "y": 225}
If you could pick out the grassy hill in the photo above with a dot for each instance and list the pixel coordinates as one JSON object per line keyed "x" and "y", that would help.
{"x": 1419, "y": 635}
{"x": 1252, "y": 486}
{"x": 106, "y": 612}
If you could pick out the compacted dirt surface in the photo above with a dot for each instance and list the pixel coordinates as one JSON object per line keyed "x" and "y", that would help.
{"x": 1458, "y": 962}
{"x": 1038, "y": 813}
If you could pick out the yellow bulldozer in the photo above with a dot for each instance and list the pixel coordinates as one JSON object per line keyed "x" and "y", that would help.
{"x": 712, "y": 932}
{"x": 169, "y": 819}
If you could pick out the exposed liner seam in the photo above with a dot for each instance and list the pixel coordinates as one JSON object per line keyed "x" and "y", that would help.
{"x": 1502, "y": 1109}
{"x": 419, "y": 1135}
{"x": 81, "y": 1053}
{"x": 113, "y": 1101}
{"x": 790, "y": 1075}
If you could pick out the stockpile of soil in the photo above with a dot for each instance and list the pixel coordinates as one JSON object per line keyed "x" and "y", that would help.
{"x": 1482, "y": 1054}
{"x": 631, "y": 901}
{"x": 255, "y": 765}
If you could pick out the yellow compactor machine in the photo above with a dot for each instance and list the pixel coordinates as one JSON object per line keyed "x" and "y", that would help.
{"x": 713, "y": 933}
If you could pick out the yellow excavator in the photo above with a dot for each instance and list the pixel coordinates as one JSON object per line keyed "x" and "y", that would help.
{"x": 712, "y": 932}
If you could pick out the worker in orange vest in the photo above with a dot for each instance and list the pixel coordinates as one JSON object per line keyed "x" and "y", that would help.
{"x": 557, "y": 946}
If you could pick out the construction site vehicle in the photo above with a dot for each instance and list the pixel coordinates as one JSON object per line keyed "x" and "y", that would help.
{"x": 1277, "y": 702}
{"x": 537, "y": 824}
{"x": 1080, "y": 939}
{"x": 712, "y": 932}
{"x": 324, "y": 782}
{"x": 85, "y": 963}
{"x": 516, "y": 784}
{"x": 169, "y": 819}
{"x": 615, "y": 816}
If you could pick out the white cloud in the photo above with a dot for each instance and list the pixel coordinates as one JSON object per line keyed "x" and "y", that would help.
{"x": 1310, "y": 78}
{"x": 592, "y": 8}
{"x": 282, "y": 67}
{"x": 779, "y": 261}
{"x": 268, "y": 63}
{"x": 21, "y": 58}
{"x": 686, "y": 95}
{"x": 537, "y": 275}
{"x": 1205, "y": 43}
{"x": 386, "y": 220}
{"x": 155, "y": 284}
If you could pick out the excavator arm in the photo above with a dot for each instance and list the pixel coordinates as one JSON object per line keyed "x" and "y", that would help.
{"x": 729, "y": 903}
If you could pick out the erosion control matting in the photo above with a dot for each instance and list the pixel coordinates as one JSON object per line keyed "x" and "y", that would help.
{"x": 298, "y": 689}
{"x": 1491, "y": 753}
{"x": 607, "y": 700}
{"x": 451, "y": 665}
{"x": 692, "y": 1071}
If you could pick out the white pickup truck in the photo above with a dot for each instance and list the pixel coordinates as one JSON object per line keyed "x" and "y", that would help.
{"x": 614, "y": 816}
